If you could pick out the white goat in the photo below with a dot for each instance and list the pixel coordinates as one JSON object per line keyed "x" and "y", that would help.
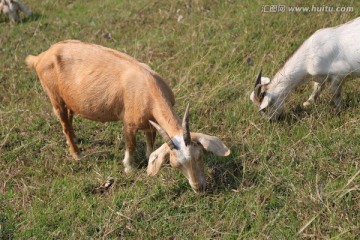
{"x": 103, "y": 85}
{"x": 330, "y": 54}
{"x": 12, "y": 8}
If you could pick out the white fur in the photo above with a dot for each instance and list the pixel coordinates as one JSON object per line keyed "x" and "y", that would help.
{"x": 330, "y": 54}
{"x": 12, "y": 9}
{"x": 128, "y": 162}
{"x": 183, "y": 153}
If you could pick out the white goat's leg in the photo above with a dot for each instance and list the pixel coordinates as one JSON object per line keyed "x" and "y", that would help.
{"x": 12, "y": 15}
{"x": 150, "y": 139}
{"x": 128, "y": 159}
{"x": 318, "y": 87}
{"x": 130, "y": 144}
{"x": 336, "y": 87}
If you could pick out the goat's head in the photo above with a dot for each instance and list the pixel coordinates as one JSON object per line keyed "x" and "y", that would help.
{"x": 186, "y": 153}
{"x": 269, "y": 105}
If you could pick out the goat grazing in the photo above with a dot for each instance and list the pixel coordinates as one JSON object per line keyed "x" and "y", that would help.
{"x": 12, "y": 8}
{"x": 329, "y": 55}
{"x": 103, "y": 85}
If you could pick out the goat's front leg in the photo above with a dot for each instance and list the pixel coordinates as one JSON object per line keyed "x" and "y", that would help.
{"x": 130, "y": 144}
{"x": 336, "y": 87}
{"x": 62, "y": 112}
{"x": 150, "y": 140}
{"x": 318, "y": 87}
{"x": 13, "y": 16}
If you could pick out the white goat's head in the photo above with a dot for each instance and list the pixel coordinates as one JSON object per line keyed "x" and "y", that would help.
{"x": 186, "y": 153}
{"x": 270, "y": 104}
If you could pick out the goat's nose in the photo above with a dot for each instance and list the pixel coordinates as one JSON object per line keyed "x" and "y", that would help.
{"x": 199, "y": 187}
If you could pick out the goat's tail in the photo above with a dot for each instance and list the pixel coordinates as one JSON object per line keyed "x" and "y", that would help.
{"x": 31, "y": 61}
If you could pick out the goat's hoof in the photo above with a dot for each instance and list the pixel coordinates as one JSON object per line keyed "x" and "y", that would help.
{"x": 337, "y": 105}
{"x": 74, "y": 139}
{"x": 307, "y": 104}
{"x": 338, "y": 110}
{"x": 77, "y": 156}
{"x": 128, "y": 169}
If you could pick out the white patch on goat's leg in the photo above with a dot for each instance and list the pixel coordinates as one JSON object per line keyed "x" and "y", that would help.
{"x": 318, "y": 87}
{"x": 74, "y": 139}
{"x": 128, "y": 159}
{"x": 130, "y": 145}
{"x": 183, "y": 153}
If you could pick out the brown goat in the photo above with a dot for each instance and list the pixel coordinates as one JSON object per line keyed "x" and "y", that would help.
{"x": 103, "y": 85}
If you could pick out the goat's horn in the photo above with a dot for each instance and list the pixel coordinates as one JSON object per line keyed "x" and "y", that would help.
{"x": 185, "y": 127}
{"x": 258, "y": 92}
{"x": 258, "y": 79}
{"x": 164, "y": 135}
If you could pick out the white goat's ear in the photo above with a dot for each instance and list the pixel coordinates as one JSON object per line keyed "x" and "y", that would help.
{"x": 211, "y": 144}
{"x": 157, "y": 159}
{"x": 265, "y": 80}
{"x": 260, "y": 88}
{"x": 265, "y": 103}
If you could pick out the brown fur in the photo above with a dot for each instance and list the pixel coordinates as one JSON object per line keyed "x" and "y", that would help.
{"x": 103, "y": 85}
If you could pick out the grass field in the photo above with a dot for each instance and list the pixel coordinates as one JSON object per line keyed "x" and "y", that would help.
{"x": 298, "y": 178}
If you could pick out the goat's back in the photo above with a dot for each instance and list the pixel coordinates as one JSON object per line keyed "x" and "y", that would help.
{"x": 334, "y": 50}
{"x": 97, "y": 82}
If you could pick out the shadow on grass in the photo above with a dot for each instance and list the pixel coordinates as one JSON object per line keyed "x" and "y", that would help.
{"x": 227, "y": 173}
{"x": 296, "y": 115}
{"x": 109, "y": 152}
{"x": 31, "y": 18}
{"x": 225, "y": 176}
{"x": 350, "y": 102}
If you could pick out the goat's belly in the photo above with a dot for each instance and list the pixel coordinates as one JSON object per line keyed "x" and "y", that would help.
{"x": 93, "y": 104}
{"x": 99, "y": 118}
{"x": 96, "y": 111}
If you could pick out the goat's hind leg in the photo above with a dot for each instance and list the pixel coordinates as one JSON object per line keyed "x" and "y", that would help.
{"x": 70, "y": 117}
{"x": 336, "y": 88}
{"x": 66, "y": 122}
{"x": 13, "y": 16}
{"x": 23, "y": 8}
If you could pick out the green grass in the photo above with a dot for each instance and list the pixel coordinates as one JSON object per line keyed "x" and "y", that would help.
{"x": 294, "y": 179}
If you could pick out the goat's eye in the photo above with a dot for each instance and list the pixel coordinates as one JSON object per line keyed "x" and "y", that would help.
{"x": 262, "y": 95}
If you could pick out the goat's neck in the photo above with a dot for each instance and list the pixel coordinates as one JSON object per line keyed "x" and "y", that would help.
{"x": 289, "y": 76}
{"x": 167, "y": 118}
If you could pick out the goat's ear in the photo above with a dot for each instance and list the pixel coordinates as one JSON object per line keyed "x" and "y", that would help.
{"x": 259, "y": 93}
{"x": 265, "y": 103}
{"x": 265, "y": 80}
{"x": 211, "y": 144}
{"x": 157, "y": 159}
{"x": 260, "y": 89}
